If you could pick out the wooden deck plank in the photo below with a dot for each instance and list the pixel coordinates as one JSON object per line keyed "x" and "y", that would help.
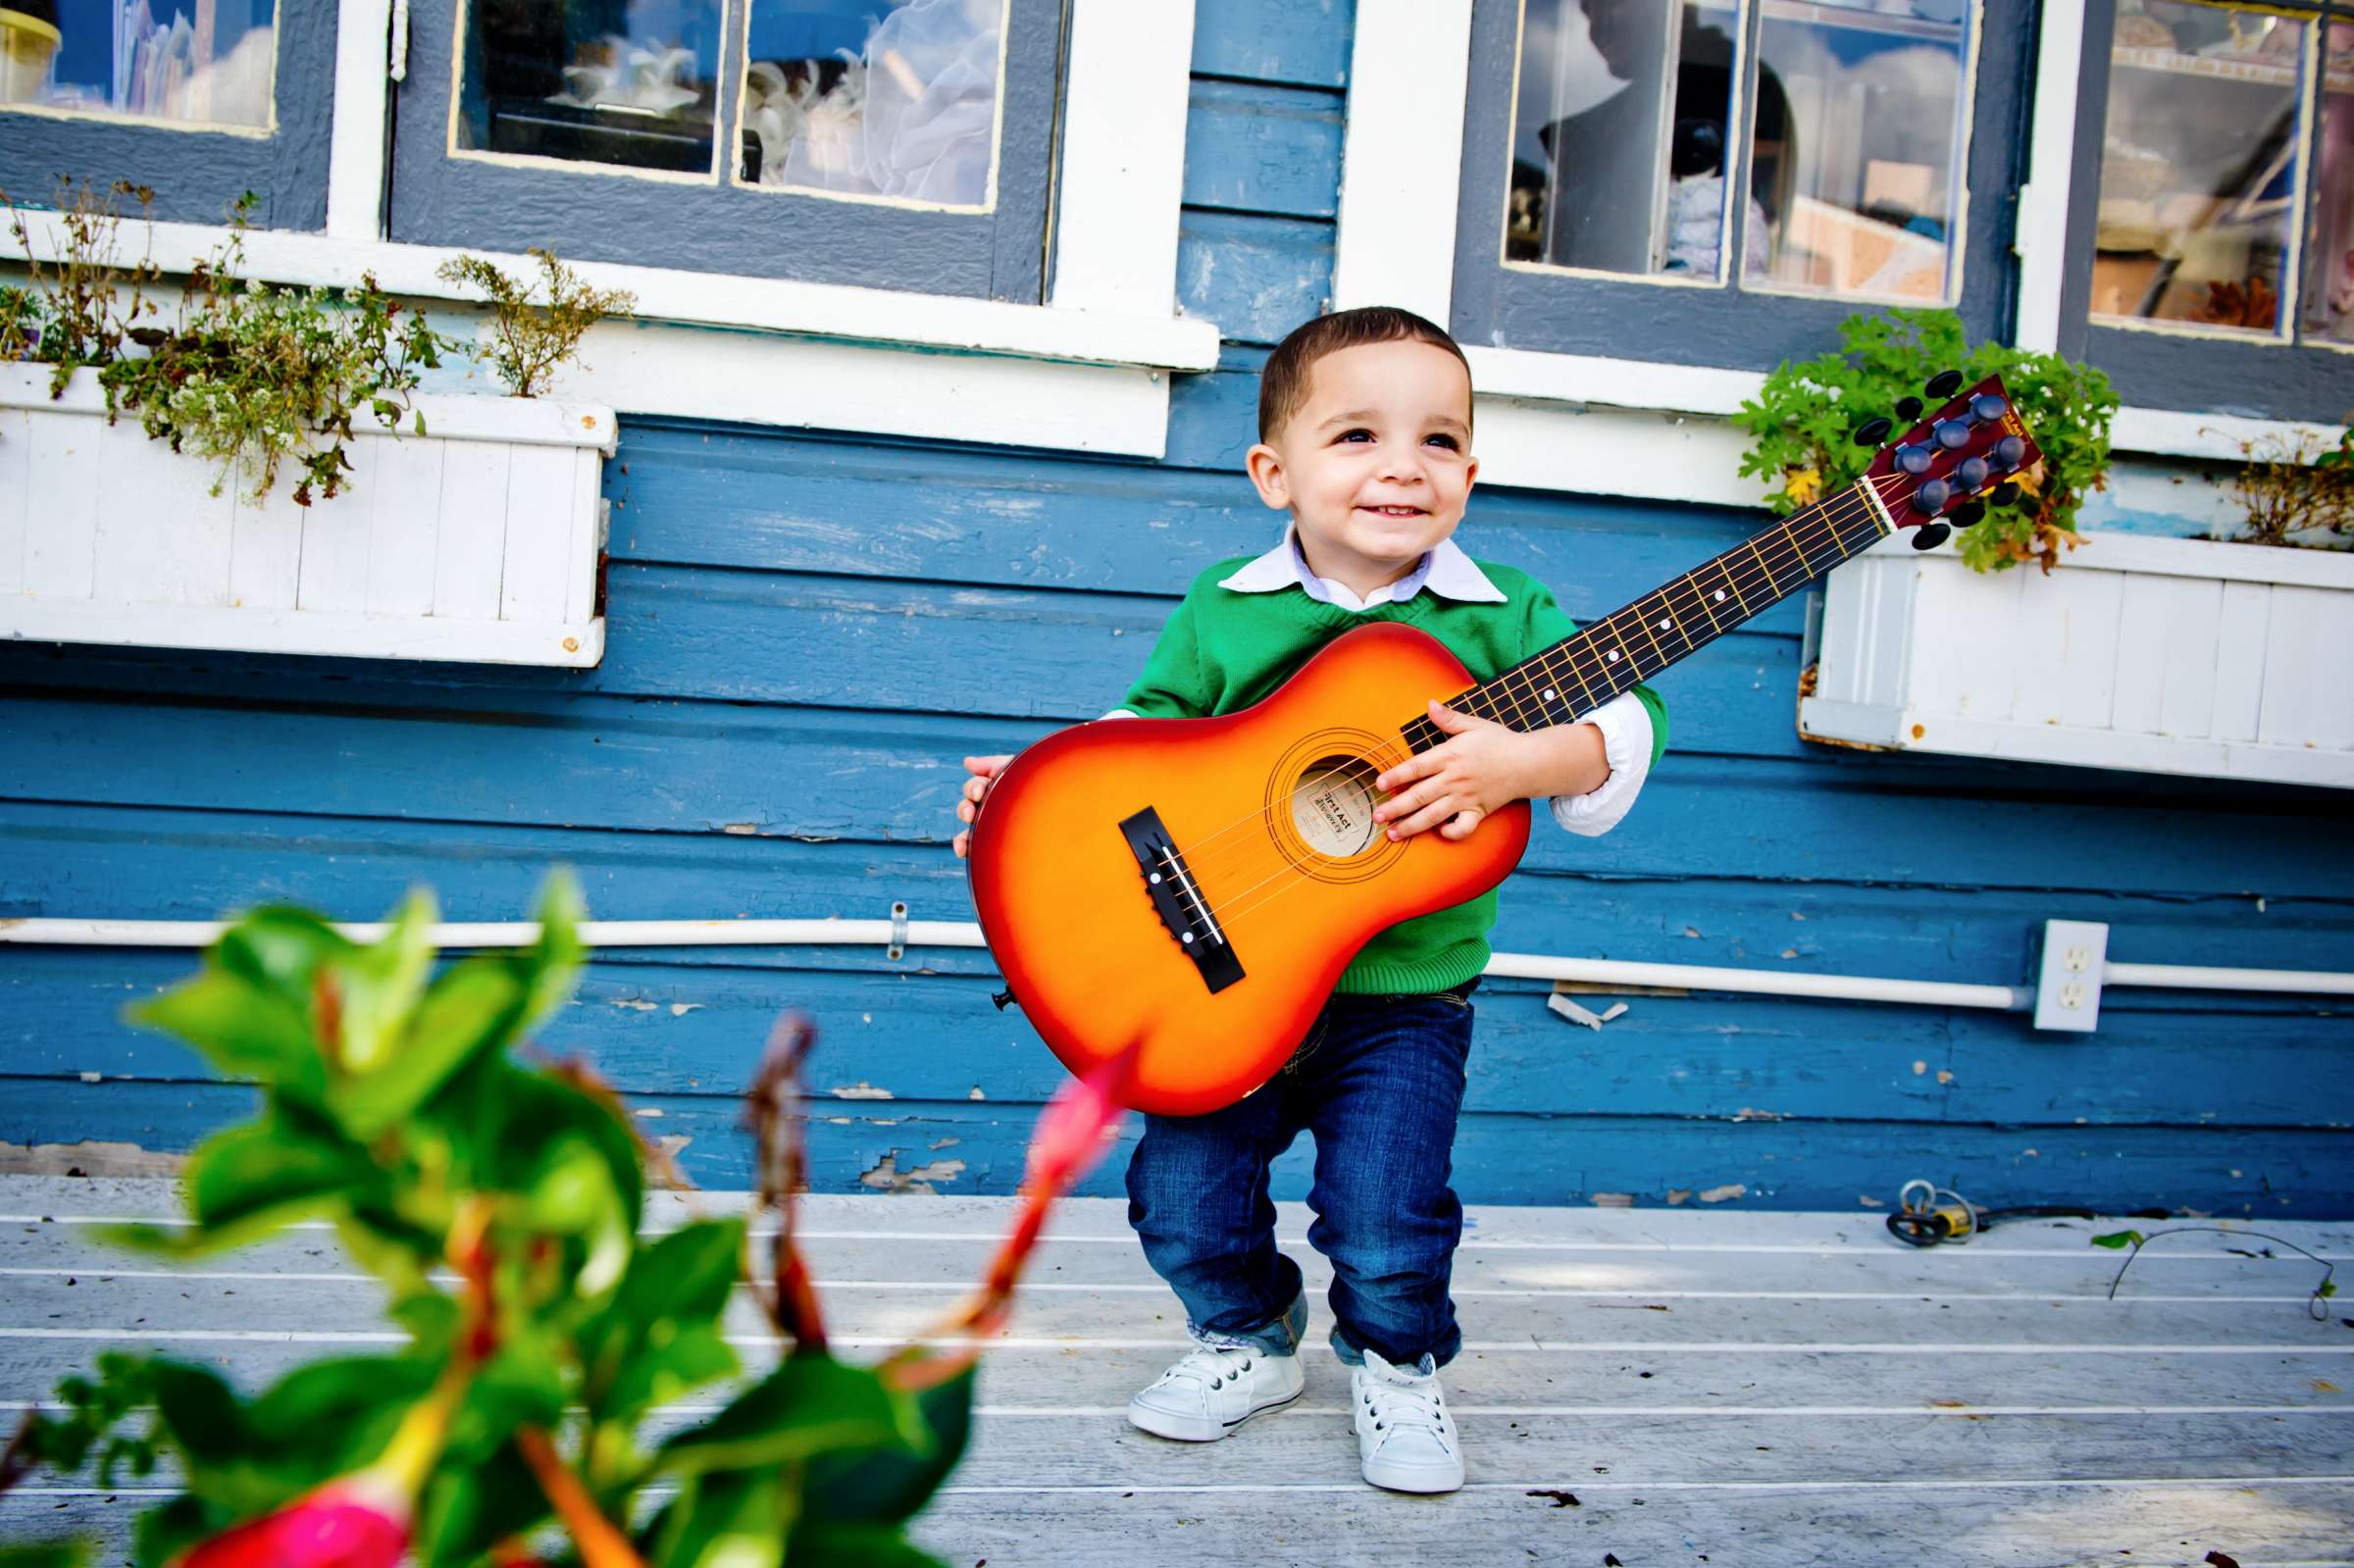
{"x": 1020, "y": 1378}
{"x": 954, "y": 1263}
{"x": 1316, "y": 1446}
{"x": 78, "y": 1199}
{"x": 210, "y": 1309}
{"x": 2157, "y": 1524}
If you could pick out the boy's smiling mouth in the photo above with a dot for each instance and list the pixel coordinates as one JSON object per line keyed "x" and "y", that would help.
{"x": 1396, "y": 510}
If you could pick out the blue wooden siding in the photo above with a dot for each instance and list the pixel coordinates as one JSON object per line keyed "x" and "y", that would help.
{"x": 807, "y": 632}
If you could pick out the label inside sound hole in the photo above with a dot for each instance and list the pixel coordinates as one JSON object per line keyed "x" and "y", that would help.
{"x": 1333, "y": 806}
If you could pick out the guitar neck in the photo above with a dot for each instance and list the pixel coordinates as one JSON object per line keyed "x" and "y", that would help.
{"x": 1636, "y": 642}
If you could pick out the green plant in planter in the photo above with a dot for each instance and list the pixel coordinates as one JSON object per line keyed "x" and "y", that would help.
{"x": 83, "y": 306}
{"x": 528, "y": 341}
{"x": 255, "y": 375}
{"x": 501, "y": 1206}
{"x": 1804, "y": 415}
{"x": 2292, "y": 485}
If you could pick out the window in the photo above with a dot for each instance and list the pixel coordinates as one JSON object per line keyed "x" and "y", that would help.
{"x": 2211, "y": 255}
{"x": 1718, "y": 182}
{"x": 893, "y": 143}
{"x": 200, "y": 100}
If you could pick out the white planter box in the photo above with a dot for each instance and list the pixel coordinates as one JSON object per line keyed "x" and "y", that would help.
{"x": 478, "y": 541}
{"x": 2185, "y": 656}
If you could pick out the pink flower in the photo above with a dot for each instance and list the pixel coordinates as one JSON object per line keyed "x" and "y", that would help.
{"x": 1070, "y": 1134}
{"x": 338, "y": 1526}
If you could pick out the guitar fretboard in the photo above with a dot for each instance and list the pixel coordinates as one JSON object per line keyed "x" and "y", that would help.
{"x": 1611, "y": 655}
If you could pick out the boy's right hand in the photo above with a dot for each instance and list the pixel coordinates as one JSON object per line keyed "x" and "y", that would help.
{"x": 984, "y": 771}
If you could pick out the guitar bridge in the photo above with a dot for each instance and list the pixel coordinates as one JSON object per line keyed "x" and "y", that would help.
{"x": 1177, "y": 898}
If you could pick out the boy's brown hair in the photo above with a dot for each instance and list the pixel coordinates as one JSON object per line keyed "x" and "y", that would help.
{"x": 1283, "y": 384}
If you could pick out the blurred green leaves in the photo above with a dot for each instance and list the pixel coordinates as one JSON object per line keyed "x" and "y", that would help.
{"x": 501, "y": 1205}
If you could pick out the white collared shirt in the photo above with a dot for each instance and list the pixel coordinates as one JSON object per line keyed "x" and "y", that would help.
{"x": 1446, "y": 570}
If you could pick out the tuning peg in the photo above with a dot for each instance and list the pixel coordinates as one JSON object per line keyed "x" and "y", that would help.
{"x": 1972, "y": 475}
{"x": 1930, "y": 498}
{"x": 2008, "y": 452}
{"x": 1952, "y": 434}
{"x": 1987, "y": 406}
{"x": 1908, "y": 409}
{"x": 1872, "y": 432}
{"x": 2005, "y": 494}
{"x": 1943, "y": 384}
{"x": 1912, "y": 458}
{"x": 1970, "y": 514}
{"x": 1929, "y": 536}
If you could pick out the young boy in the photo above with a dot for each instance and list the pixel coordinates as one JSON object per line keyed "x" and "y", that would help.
{"x": 1365, "y": 421}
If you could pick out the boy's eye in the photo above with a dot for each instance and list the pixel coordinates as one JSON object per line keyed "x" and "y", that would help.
{"x": 1446, "y": 441}
{"x": 1355, "y": 435}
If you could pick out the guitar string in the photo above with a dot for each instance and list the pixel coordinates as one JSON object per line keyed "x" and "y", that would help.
{"x": 1207, "y": 863}
{"x": 1218, "y": 864}
{"x": 1233, "y": 906}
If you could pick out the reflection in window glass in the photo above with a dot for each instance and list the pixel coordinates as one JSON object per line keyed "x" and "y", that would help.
{"x": 193, "y": 62}
{"x": 2199, "y": 176}
{"x": 1618, "y": 137}
{"x": 1856, "y": 145}
{"x": 2329, "y": 250}
{"x": 874, "y": 97}
{"x": 627, "y": 83}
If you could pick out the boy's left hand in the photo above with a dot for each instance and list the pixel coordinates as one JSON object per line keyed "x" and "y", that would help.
{"x": 1457, "y": 785}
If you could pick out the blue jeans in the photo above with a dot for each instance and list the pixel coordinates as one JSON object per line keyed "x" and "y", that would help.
{"x": 1379, "y": 1080}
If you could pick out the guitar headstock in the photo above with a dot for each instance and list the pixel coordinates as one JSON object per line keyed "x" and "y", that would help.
{"x": 1958, "y": 457}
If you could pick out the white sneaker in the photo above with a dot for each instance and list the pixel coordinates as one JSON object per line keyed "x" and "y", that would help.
{"x": 1214, "y": 1388}
{"x": 1405, "y": 1440}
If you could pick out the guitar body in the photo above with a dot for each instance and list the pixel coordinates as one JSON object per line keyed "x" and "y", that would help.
{"x": 1258, "y": 826}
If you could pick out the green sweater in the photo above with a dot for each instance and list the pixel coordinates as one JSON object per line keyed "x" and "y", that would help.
{"x": 1221, "y": 650}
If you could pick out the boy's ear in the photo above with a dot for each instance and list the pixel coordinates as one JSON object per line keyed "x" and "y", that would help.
{"x": 1265, "y": 467}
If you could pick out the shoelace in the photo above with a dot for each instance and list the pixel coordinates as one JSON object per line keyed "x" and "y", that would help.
{"x": 1394, "y": 1406}
{"x": 1206, "y": 1364}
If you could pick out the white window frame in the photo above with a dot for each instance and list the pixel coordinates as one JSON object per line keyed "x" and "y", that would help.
{"x": 1631, "y": 426}
{"x": 1089, "y": 370}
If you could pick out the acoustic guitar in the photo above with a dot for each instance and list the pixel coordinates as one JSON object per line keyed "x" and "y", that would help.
{"x": 1193, "y": 888}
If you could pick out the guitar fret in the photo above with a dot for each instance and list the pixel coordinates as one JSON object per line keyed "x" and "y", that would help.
{"x": 1725, "y": 571}
{"x": 1691, "y": 580}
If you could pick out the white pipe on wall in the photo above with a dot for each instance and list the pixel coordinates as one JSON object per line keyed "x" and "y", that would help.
{"x": 966, "y": 934}
{"x": 2194, "y": 977}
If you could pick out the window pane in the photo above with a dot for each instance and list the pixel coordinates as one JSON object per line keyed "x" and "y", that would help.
{"x": 1855, "y": 145}
{"x": 186, "y": 61}
{"x": 2330, "y": 269}
{"x": 874, "y": 97}
{"x": 2198, "y": 166}
{"x": 1618, "y": 136}
{"x": 630, "y": 83}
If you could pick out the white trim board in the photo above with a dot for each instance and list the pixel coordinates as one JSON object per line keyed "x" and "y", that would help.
{"x": 573, "y": 645}
{"x": 812, "y": 384}
{"x": 1402, "y": 168}
{"x": 673, "y": 296}
{"x": 528, "y": 422}
{"x": 355, "y": 155}
{"x": 1121, "y": 174}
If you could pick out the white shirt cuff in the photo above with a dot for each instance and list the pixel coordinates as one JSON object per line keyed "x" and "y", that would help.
{"x": 1625, "y": 725}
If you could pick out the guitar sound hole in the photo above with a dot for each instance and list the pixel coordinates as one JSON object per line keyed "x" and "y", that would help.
{"x": 1332, "y": 807}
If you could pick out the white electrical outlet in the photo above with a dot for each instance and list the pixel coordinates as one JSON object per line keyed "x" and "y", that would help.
{"x": 2068, "y": 991}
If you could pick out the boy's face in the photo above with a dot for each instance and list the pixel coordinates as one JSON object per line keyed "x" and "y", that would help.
{"x": 1376, "y": 465}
